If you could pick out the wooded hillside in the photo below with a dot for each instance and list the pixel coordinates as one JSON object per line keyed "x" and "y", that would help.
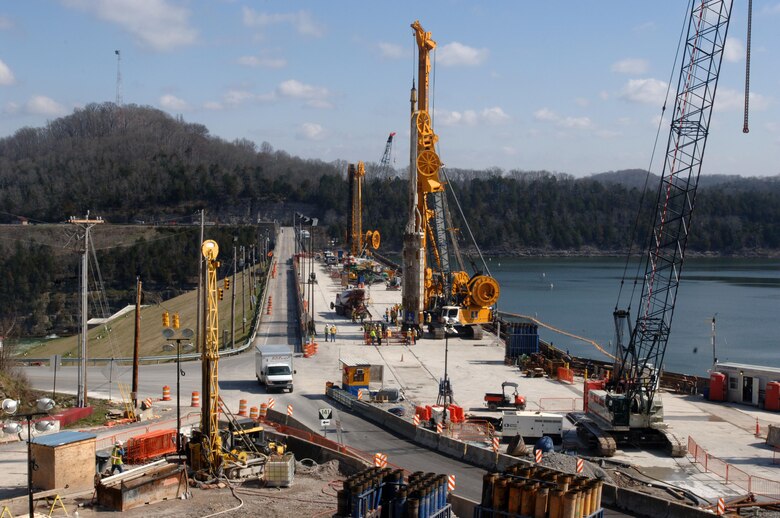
{"x": 135, "y": 164}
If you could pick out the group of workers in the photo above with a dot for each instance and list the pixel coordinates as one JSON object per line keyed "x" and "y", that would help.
{"x": 330, "y": 332}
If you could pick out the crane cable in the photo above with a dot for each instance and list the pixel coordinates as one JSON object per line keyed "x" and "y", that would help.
{"x": 745, "y": 128}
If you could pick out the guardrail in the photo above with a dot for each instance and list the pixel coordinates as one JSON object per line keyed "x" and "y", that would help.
{"x": 341, "y": 396}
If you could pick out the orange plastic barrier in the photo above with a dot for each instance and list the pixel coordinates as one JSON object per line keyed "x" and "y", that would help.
{"x": 565, "y": 374}
{"x": 150, "y": 445}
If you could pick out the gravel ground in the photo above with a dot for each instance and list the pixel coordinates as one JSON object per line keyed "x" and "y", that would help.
{"x": 313, "y": 493}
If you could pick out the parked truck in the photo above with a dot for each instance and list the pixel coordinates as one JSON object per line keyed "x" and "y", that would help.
{"x": 274, "y": 366}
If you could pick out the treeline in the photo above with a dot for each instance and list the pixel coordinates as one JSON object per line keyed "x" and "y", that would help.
{"x": 40, "y": 285}
{"x": 137, "y": 164}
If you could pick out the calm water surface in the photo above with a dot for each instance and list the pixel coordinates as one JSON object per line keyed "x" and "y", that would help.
{"x": 579, "y": 295}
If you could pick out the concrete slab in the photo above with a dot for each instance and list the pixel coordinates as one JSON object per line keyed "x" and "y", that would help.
{"x": 475, "y": 367}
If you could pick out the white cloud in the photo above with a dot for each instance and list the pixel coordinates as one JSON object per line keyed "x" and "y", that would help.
{"x": 212, "y": 105}
{"x": 5, "y": 23}
{"x": 6, "y": 76}
{"x": 608, "y": 134}
{"x": 646, "y": 91}
{"x": 509, "y": 150}
{"x": 297, "y": 90}
{"x": 303, "y": 21}
{"x": 171, "y": 102}
{"x": 238, "y": 96}
{"x": 311, "y": 131}
{"x": 11, "y": 107}
{"x": 490, "y": 116}
{"x": 454, "y": 54}
{"x": 575, "y": 122}
{"x": 262, "y": 61}
{"x": 630, "y": 66}
{"x": 156, "y": 24}
{"x": 731, "y": 100}
{"x": 494, "y": 115}
{"x": 771, "y": 9}
{"x": 315, "y": 96}
{"x": 734, "y": 50}
{"x": 547, "y": 115}
{"x": 42, "y": 105}
{"x": 389, "y": 50}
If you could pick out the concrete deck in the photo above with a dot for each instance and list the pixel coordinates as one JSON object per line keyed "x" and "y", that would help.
{"x": 725, "y": 430}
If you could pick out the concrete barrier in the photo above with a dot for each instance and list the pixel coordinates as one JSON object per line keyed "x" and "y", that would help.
{"x": 485, "y": 458}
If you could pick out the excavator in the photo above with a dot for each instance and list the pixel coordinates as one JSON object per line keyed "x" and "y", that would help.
{"x": 437, "y": 292}
{"x": 627, "y": 407}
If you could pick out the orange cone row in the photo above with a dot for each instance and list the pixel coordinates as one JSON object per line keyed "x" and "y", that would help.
{"x": 270, "y": 304}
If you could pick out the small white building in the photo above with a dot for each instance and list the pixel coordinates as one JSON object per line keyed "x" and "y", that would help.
{"x": 747, "y": 383}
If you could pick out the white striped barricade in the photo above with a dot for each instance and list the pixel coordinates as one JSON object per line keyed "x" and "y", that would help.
{"x": 721, "y": 507}
{"x": 439, "y": 428}
{"x": 360, "y": 394}
{"x": 271, "y": 402}
{"x": 538, "y": 456}
{"x": 495, "y": 444}
{"x": 580, "y": 465}
{"x": 416, "y": 420}
{"x": 380, "y": 460}
{"x": 289, "y": 410}
{"x": 451, "y": 483}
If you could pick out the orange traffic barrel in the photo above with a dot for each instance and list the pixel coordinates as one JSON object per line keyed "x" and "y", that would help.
{"x": 254, "y": 413}
{"x": 166, "y": 393}
{"x": 263, "y": 410}
{"x": 195, "y": 399}
{"x": 242, "y": 407}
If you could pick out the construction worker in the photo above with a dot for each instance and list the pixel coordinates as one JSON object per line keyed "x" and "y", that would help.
{"x": 116, "y": 458}
{"x": 372, "y": 334}
{"x": 333, "y": 333}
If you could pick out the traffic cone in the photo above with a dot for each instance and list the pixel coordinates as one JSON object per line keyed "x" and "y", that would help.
{"x": 758, "y": 428}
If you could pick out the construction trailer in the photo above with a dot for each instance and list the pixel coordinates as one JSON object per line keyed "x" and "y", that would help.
{"x": 743, "y": 383}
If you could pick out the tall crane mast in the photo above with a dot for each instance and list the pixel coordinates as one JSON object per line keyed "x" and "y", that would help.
{"x": 211, "y": 441}
{"x": 356, "y": 239}
{"x": 384, "y": 163}
{"x": 432, "y": 287}
{"x": 631, "y": 401}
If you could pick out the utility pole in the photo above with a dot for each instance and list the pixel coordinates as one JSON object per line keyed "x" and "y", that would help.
{"x": 233, "y": 301}
{"x": 86, "y": 224}
{"x": 136, "y": 342}
{"x": 243, "y": 289}
{"x": 119, "y": 100}
{"x": 198, "y": 334}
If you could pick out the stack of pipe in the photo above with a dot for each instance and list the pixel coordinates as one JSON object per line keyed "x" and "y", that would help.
{"x": 540, "y": 492}
{"x": 374, "y": 488}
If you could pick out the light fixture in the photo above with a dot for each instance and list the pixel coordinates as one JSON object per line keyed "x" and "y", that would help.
{"x": 10, "y": 406}
{"x": 12, "y": 427}
{"x": 44, "y": 426}
{"x": 168, "y": 347}
{"x": 45, "y": 404}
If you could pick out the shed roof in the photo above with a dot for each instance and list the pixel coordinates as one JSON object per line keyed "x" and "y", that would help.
{"x": 744, "y": 366}
{"x": 60, "y": 438}
{"x": 354, "y": 362}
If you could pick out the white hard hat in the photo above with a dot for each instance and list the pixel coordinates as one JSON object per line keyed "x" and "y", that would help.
{"x": 118, "y": 443}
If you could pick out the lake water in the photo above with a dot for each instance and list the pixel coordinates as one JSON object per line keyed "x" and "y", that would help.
{"x": 579, "y": 295}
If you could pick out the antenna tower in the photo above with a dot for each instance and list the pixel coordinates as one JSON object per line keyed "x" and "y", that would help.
{"x": 119, "y": 100}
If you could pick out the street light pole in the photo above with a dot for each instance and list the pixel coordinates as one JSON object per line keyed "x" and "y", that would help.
{"x": 186, "y": 334}
{"x": 44, "y": 405}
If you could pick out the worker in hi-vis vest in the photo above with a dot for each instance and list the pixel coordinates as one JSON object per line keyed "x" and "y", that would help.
{"x": 116, "y": 458}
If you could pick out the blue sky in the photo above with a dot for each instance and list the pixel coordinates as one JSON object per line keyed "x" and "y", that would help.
{"x": 565, "y": 86}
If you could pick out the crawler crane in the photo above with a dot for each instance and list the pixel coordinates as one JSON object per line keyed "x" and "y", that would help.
{"x": 435, "y": 292}
{"x": 357, "y": 240}
{"x": 630, "y": 409}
